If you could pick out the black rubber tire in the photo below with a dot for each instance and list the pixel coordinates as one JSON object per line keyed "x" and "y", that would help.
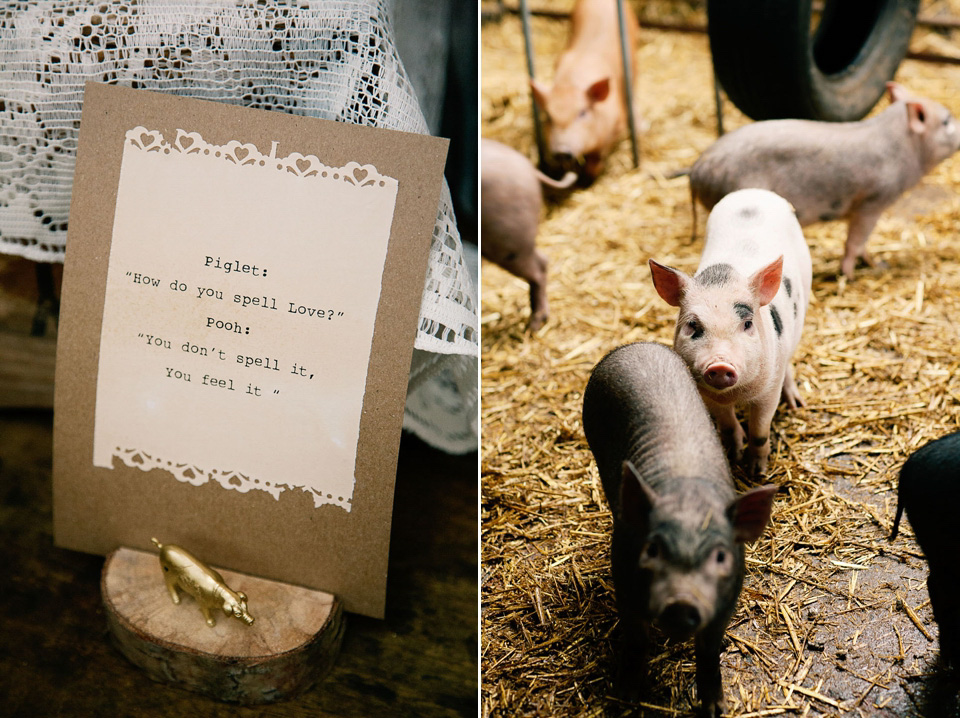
{"x": 771, "y": 66}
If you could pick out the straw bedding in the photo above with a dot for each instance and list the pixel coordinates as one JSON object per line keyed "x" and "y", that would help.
{"x": 834, "y": 619}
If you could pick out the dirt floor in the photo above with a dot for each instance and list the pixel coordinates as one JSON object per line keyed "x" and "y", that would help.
{"x": 834, "y": 619}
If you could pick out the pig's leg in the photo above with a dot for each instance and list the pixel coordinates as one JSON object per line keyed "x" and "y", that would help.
{"x": 207, "y": 614}
{"x": 693, "y": 210}
{"x": 947, "y": 614}
{"x": 709, "y": 683}
{"x": 632, "y": 678}
{"x": 532, "y": 267}
{"x": 171, "y": 582}
{"x": 731, "y": 433}
{"x": 790, "y": 393}
{"x": 858, "y": 232}
{"x": 539, "y": 309}
{"x": 758, "y": 430}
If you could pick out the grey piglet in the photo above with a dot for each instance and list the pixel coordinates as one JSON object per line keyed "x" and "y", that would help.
{"x": 510, "y": 203}
{"x": 678, "y": 526}
{"x": 832, "y": 170}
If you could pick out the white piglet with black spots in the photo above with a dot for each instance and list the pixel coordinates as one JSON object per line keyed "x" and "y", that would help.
{"x": 741, "y": 315}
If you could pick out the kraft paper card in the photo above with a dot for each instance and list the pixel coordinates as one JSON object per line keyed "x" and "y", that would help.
{"x": 240, "y": 301}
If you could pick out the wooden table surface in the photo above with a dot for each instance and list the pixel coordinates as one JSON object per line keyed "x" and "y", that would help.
{"x": 55, "y": 658}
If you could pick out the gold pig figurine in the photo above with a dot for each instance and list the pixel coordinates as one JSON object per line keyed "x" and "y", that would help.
{"x": 181, "y": 569}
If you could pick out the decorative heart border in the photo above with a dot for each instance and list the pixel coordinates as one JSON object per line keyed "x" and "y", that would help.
{"x": 137, "y": 459}
{"x": 246, "y": 154}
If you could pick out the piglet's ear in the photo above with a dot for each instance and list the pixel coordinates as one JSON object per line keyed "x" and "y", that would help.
{"x": 636, "y": 498}
{"x": 916, "y": 117}
{"x": 896, "y": 92}
{"x": 540, "y": 93}
{"x": 598, "y": 91}
{"x": 765, "y": 283}
{"x": 669, "y": 282}
{"x": 750, "y": 512}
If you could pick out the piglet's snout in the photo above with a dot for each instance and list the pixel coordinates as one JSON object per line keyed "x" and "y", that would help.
{"x": 565, "y": 161}
{"x": 680, "y": 619}
{"x": 720, "y": 375}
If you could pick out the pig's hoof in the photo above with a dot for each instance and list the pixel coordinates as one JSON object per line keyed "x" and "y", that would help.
{"x": 792, "y": 398}
{"x": 632, "y": 682}
{"x": 846, "y": 267}
{"x": 536, "y": 321}
{"x": 732, "y": 440}
{"x": 713, "y": 709}
{"x": 629, "y": 692}
{"x": 756, "y": 465}
{"x": 734, "y": 456}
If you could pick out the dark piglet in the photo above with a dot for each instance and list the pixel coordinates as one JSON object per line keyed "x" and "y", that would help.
{"x": 510, "y": 204}
{"x": 929, "y": 492}
{"x": 678, "y": 526}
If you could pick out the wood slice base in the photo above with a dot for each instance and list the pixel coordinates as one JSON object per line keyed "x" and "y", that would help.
{"x": 294, "y": 640}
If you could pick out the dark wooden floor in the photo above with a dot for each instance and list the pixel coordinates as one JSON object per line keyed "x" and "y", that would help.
{"x": 55, "y": 659}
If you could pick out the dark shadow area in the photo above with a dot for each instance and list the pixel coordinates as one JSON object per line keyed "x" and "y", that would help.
{"x": 935, "y": 694}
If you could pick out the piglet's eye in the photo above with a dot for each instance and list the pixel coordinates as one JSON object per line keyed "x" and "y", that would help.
{"x": 747, "y": 325}
{"x": 723, "y": 559}
{"x": 652, "y": 550}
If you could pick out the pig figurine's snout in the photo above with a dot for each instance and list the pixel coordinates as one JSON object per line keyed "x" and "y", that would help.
{"x": 240, "y": 609}
{"x": 720, "y": 375}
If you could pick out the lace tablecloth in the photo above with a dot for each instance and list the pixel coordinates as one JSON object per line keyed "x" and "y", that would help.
{"x": 333, "y": 59}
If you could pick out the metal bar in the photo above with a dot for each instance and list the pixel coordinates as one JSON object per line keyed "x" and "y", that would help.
{"x": 528, "y": 44}
{"x": 628, "y": 83}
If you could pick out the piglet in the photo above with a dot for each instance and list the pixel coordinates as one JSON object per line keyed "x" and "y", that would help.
{"x": 929, "y": 492}
{"x": 586, "y": 109}
{"x": 741, "y": 315}
{"x": 678, "y": 527}
{"x": 510, "y": 203}
{"x": 832, "y": 170}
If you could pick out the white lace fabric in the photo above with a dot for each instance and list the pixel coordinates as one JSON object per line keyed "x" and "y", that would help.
{"x": 333, "y": 59}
